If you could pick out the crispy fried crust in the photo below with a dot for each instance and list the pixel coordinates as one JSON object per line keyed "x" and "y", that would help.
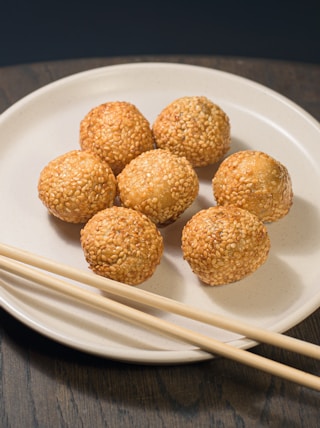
{"x": 254, "y": 181}
{"x": 224, "y": 244}
{"x": 76, "y": 185}
{"x": 193, "y": 127}
{"x": 159, "y": 184}
{"x": 117, "y": 132}
{"x": 122, "y": 244}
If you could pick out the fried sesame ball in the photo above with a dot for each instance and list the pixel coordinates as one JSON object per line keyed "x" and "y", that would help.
{"x": 117, "y": 132}
{"x": 256, "y": 182}
{"x": 122, "y": 244}
{"x": 224, "y": 244}
{"x": 193, "y": 127}
{"x": 76, "y": 185}
{"x": 159, "y": 184}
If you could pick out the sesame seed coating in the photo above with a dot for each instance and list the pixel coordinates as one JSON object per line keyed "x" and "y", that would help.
{"x": 117, "y": 132}
{"x": 122, "y": 244}
{"x": 76, "y": 185}
{"x": 159, "y": 184}
{"x": 224, "y": 244}
{"x": 256, "y": 182}
{"x": 193, "y": 127}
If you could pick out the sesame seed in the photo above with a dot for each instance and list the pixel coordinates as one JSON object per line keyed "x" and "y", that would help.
{"x": 159, "y": 184}
{"x": 117, "y": 132}
{"x": 224, "y": 244}
{"x": 254, "y": 181}
{"x": 193, "y": 127}
{"x": 76, "y": 185}
{"x": 122, "y": 244}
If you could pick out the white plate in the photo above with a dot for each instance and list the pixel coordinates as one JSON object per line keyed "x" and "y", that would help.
{"x": 45, "y": 124}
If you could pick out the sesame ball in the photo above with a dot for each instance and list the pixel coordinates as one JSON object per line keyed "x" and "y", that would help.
{"x": 193, "y": 127}
{"x": 256, "y": 182}
{"x": 159, "y": 184}
{"x": 76, "y": 185}
{"x": 224, "y": 244}
{"x": 117, "y": 132}
{"x": 122, "y": 244}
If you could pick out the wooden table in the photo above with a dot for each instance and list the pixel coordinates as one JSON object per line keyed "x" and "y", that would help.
{"x": 44, "y": 384}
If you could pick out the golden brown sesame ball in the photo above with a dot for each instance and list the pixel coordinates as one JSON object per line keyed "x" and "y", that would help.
{"x": 117, "y": 132}
{"x": 193, "y": 127}
{"x": 224, "y": 244}
{"x": 256, "y": 182}
{"x": 122, "y": 244}
{"x": 76, "y": 185}
{"x": 159, "y": 184}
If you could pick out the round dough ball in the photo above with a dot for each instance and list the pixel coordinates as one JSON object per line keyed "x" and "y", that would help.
{"x": 76, "y": 185}
{"x": 117, "y": 132}
{"x": 256, "y": 182}
{"x": 224, "y": 244}
{"x": 159, "y": 184}
{"x": 193, "y": 127}
{"x": 122, "y": 244}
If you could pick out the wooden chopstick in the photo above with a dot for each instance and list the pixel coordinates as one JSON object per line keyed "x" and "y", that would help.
{"x": 162, "y": 303}
{"x": 120, "y": 310}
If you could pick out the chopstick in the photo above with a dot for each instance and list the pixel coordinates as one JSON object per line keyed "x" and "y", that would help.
{"x": 208, "y": 344}
{"x": 162, "y": 303}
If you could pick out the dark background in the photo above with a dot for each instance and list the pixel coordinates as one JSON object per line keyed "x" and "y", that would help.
{"x": 39, "y": 30}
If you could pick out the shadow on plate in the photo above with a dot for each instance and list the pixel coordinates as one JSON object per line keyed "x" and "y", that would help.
{"x": 299, "y": 231}
{"x": 69, "y": 232}
{"x": 269, "y": 292}
{"x": 206, "y": 173}
{"x": 172, "y": 233}
{"x": 167, "y": 281}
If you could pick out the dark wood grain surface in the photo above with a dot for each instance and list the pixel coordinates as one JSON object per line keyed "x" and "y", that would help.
{"x": 45, "y": 384}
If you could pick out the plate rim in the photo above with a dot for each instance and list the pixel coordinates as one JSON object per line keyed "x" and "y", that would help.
{"x": 154, "y": 64}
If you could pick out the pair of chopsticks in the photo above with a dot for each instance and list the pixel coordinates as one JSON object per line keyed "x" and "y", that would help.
{"x": 16, "y": 261}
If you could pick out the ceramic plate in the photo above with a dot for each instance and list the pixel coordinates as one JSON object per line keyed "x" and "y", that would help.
{"x": 45, "y": 124}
